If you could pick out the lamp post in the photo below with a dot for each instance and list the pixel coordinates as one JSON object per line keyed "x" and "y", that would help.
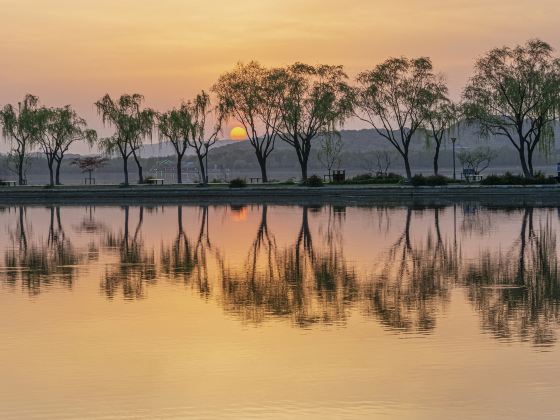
{"x": 453, "y": 140}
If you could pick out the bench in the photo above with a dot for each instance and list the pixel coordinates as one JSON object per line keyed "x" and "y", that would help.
{"x": 339, "y": 176}
{"x": 154, "y": 181}
{"x": 89, "y": 181}
{"x": 255, "y": 179}
{"x": 9, "y": 183}
{"x": 470, "y": 175}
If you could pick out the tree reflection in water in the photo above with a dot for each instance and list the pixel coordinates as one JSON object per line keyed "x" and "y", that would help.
{"x": 518, "y": 292}
{"x": 188, "y": 260}
{"x": 405, "y": 285}
{"x": 308, "y": 285}
{"x": 37, "y": 263}
{"x": 135, "y": 265}
{"x": 414, "y": 281}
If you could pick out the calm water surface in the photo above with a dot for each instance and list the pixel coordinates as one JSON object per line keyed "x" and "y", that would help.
{"x": 279, "y": 312}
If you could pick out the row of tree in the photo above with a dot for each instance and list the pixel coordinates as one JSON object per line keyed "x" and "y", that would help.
{"x": 514, "y": 93}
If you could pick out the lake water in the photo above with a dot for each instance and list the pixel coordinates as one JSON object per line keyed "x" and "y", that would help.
{"x": 279, "y": 312}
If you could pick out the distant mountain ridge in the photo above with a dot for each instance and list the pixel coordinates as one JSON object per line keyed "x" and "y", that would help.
{"x": 364, "y": 140}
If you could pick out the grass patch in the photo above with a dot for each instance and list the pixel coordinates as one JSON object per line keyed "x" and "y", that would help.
{"x": 429, "y": 181}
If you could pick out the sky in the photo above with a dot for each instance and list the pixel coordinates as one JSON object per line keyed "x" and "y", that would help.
{"x": 73, "y": 52}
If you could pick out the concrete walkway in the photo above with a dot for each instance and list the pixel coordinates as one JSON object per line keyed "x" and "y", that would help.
{"x": 161, "y": 194}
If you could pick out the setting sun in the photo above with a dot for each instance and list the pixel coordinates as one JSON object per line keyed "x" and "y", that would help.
{"x": 238, "y": 133}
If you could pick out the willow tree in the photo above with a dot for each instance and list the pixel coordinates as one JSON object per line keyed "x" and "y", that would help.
{"x": 394, "y": 99}
{"x": 313, "y": 100}
{"x": 132, "y": 125}
{"x": 249, "y": 94}
{"x": 441, "y": 122}
{"x": 21, "y": 127}
{"x": 175, "y": 126}
{"x": 60, "y": 128}
{"x": 515, "y": 93}
{"x": 206, "y": 125}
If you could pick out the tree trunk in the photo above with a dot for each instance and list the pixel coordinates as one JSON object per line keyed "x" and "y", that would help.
{"x": 262, "y": 164}
{"x": 530, "y": 161}
{"x": 21, "y": 159}
{"x": 51, "y": 172}
{"x": 303, "y": 163}
{"x": 407, "y": 165}
{"x": 125, "y": 169}
{"x": 302, "y": 153}
{"x": 140, "y": 176}
{"x": 203, "y": 174}
{"x": 436, "y": 159}
{"x": 58, "y": 165}
{"x": 179, "y": 175}
{"x": 523, "y": 161}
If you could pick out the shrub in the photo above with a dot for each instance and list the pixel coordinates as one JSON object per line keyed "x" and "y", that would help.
{"x": 509, "y": 179}
{"x": 237, "y": 183}
{"x": 287, "y": 182}
{"x": 390, "y": 178}
{"x": 313, "y": 181}
{"x": 432, "y": 180}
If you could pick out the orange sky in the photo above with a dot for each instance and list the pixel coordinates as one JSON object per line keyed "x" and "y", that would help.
{"x": 75, "y": 51}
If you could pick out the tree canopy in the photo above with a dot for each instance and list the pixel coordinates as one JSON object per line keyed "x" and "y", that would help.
{"x": 59, "y": 128}
{"x": 21, "y": 126}
{"x": 515, "y": 93}
{"x": 394, "y": 98}
{"x": 249, "y": 94}
{"x": 131, "y": 123}
{"x": 312, "y": 100}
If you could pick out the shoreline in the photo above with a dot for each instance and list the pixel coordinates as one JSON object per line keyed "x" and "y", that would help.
{"x": 348, "y": 194}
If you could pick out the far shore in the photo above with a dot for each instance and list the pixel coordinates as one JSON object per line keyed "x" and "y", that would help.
{"x": 281, "y": 193}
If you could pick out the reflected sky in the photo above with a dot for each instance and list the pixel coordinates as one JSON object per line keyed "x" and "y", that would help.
{"x": 279, "y": 310}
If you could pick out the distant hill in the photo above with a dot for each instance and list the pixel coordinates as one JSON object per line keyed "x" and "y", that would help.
{"x": 365, "y": 140}
{"x": 166, "y": 148}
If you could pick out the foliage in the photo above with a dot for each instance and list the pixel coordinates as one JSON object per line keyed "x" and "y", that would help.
{"x": 200, "y": 140}
{"x": 175, "y": 126}
{"x": 442, "y": 117}
{"x": 59, "y": 129}
{"x": 515, "y": 93}
{"x": 477, "y": 159}
{"x": 509, "y": 179}
{"x": 312, "y": 100}
{"x": 395, "y": 97}
{"x": 237, "y": 183}
{"x": 249, "y": 94}
{"x": 20, "y": 126}
{"x": 90, "y": 163}
{"x": 131, "y": 123}
{"x": 433, "y": 180}
{"x": 312, "y": 181}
